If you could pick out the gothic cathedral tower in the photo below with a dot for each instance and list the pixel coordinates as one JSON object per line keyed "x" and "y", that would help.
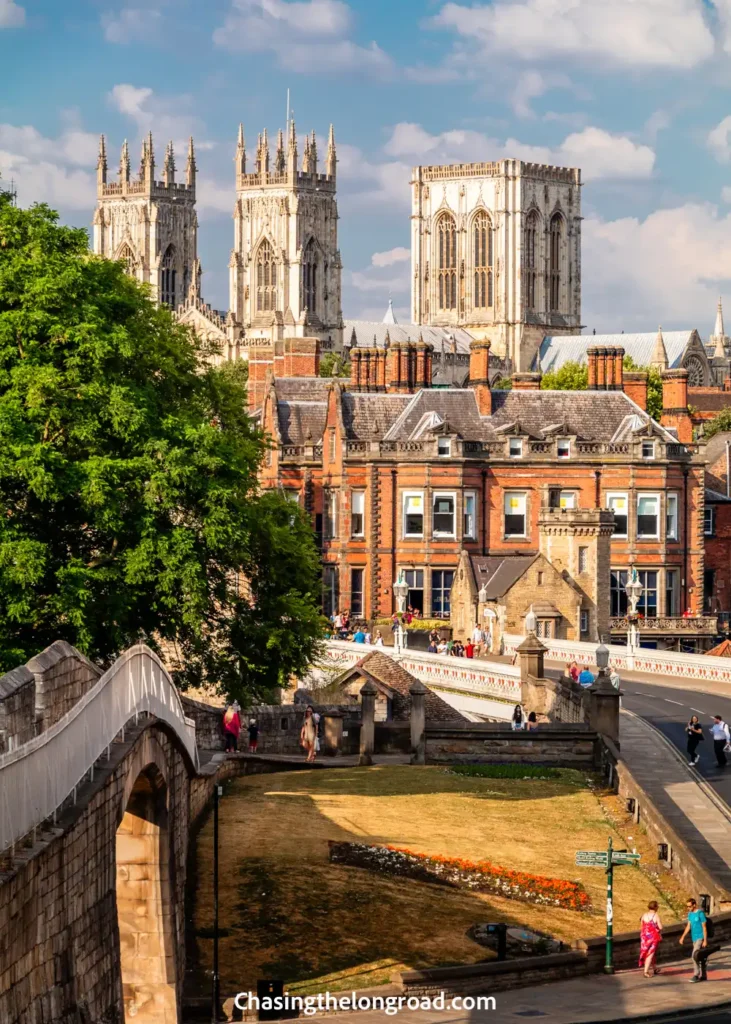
{"x": 285, "y": 265}
{"x": 150, "y": 224}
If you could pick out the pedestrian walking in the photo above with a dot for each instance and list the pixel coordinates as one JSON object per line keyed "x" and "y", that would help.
{"x": 721, "y": 740}
{"x": 253, "y": 735}
{"x": 650, "y": 938}
{"x": 232, "y": 726}
{"x": 696, "y": 925}
{"x": 308, "y": 734}
{"x": 518, "y": 719}
{"x": 614, "y": 678}
{"x": 694, "y": 732}
{"x": 477, "y": 639}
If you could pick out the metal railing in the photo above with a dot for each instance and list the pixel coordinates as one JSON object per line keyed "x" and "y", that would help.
{"x": 38, "y": 777}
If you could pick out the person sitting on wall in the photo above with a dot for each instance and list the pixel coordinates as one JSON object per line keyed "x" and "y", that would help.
{"x": 586, "y": 677}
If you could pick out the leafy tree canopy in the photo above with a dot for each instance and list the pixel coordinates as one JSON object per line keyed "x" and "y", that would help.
{"x": 332, "y": 364}
{"x": 129, "y": 506}
{"x": 719, "y": 424}
{"x": 571, "y": 376}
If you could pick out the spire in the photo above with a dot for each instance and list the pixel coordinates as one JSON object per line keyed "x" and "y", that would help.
{"x": 719, "y": 335}
{"x": 194, "y": 288}
{"x": 168, "y": 173}
{"x": 313, "y": 154}
{"x": 240, "y": 152}
{"x": 659, "y": 358}
{"x": 101, "y": 164}
{"x": 265, "y": 152}
{"x": 719, "y": 331}
{"x": 390, "y": 317}
{"x": 191, "y": 166}
{"x": 280, "y": 162}
{"x": 150, "y": 157}
{"x": 306, "y": 156}
{"x": 292, "y": 150}
{"x": 124, "y": 167}
{"x": 331, "y": 159}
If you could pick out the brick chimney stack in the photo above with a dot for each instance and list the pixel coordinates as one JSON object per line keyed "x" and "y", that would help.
{"x": 526, "y": 381}
{"x": 605, "y": 368}
{"x": 675, "y": 404}
{"x": 635, "y": 387}
{"x": 479, "y": 375}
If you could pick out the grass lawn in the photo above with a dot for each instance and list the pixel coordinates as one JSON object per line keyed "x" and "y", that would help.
{"x": 290, "y": 914}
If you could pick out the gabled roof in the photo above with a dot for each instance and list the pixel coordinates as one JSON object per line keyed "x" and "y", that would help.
{"x": 498, "y": 573}
{"x": 556, "y": 350}
{"x": 722, "y": 650}
{"x": 370, "y": 333}
{"x": 389, "y": 674}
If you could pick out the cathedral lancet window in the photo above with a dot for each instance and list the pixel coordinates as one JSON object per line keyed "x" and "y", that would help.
{"x": 554, "y": 271}
{"x": 447, "y": 261}
{"x": 167, "y": 278}
{"x": 310, "y": 276}
{"x": 482, "y": 247}
{"x": 266, "y": 279}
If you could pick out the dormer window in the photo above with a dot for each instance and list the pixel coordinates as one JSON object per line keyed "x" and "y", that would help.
{"x": 515, "y": 448}
{"x": 648, "y": 449}
{"x": 563, "y": 449}
{"x": 444, "y": 447}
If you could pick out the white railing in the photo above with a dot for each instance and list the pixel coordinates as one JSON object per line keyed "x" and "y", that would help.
{"x": 39, "y": 776}
{"x": 636, "y": 659}
{"x": 483, "y": 678}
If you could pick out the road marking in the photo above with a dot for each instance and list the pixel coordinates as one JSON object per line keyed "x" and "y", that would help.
{"x": 667, "y": 701}
{"x": 698, "y": 711}
{"x": 639, "y": 693}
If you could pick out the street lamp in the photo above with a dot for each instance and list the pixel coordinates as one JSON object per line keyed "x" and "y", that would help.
{"x": 400, "y": 592}
{"x": 633, "y": 589}
{"x": 531, "y": 621}
{"x": 602, "y": 658}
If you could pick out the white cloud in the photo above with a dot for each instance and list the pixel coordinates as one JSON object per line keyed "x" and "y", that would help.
{"x": 304, "y": 35}
{"x": 719, "y": 140}
{"x": 726, "y": 194}
{"x": 12, "y": 15}
{"x": 598, "y": 153}
{"x": 168, "y": 117}
{"x": 668, "y": 268}
{"x": 131, "y": 25}
{"x": 386, "y": 259}
{"x": 624, "y": 33}
{"x": 530, "y": 86}
{"x": 52, "y": 170}
{"x": 213, "y": 197}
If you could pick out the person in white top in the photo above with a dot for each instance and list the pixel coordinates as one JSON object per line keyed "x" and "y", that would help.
{"x": 378, "y": 642}
{"x": 721, "y": 740}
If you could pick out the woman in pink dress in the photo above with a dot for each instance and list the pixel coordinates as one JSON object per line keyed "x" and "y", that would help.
{"x": 650, "y": 938}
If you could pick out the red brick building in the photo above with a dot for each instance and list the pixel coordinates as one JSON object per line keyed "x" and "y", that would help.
{"x": 399, "y": 475}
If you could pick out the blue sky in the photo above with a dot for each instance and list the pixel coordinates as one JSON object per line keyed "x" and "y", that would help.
{"x": 635, "y": 92}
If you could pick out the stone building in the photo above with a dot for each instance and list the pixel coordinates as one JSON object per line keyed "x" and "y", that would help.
{"x": 496, "y": 249}
{"x": 393, "y": 682}
{"x": 566, "y": 585}
{"x": 398, "y": 475}
{"x": 150, "y": 223}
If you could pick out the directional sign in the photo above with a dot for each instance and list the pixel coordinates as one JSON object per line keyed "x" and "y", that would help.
{"x": 591, "y": 858}
{"x": 623, "y": 857}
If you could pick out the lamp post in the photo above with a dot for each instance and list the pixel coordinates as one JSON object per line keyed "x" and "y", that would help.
{"x": 531, "y": 622}
{"x": 400, "y": 592}
{"x": 633, "y": 589}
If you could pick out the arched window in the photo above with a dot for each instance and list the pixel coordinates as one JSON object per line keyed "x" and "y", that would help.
{"x": 167, "y": 278}
{"x": 266, "y": 279}
{"x": 482, "y": 254}
{"x": 309, "y": 277}
{"x": 128, "y": 258}
{"x": 530, "y": 263}
{"x": 447, "y": 261}
{"x": 555, "y": 262}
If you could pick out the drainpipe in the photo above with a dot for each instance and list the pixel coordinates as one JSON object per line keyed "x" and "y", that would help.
{"x": 686, "y": 538}
{"x": 597, "y": 488}
{"x": 484, "y": 510}
{"x": 394, "y": 495}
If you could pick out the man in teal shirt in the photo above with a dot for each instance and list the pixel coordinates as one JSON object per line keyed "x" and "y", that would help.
{"x": 699, "y": 937}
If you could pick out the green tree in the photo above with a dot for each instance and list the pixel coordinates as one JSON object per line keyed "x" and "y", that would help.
{"x": 332, "y": 364}
{"x": 503, "y": 384}
{"x": 571, "y": 376}
{"x": 720, "y": 423}
{"x": 129, "y": 503}
{"x": 654, "y": 386}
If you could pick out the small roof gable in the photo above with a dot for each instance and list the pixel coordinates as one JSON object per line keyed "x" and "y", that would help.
{"x": 498, "y": 573}
{"x": 388, "y": 673}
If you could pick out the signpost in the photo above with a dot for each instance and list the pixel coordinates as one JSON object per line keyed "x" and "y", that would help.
{"x": 608, "y": 860}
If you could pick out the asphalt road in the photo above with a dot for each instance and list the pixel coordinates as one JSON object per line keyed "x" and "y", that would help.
{"x": 669, "y": 709}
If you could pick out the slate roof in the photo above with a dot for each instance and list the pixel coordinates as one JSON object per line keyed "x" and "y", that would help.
{"x": 556, "y": 350}
{"x": 367, "y": 333}
{"x": 369, "y": 416}
{"x": 388, "y": 672}
{"x": 498, "y": 573}
{"x": 716, "y": 497}
{"x": 301, "y": 422}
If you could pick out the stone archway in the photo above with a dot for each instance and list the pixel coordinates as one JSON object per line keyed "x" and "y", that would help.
{"x": 144, "y": 904}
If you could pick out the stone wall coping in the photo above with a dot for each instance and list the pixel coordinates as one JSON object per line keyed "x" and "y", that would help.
{"x": 492, "y": 967}
{"x": 57, "y": 651}
{"x": 15, "y": 679}
{"x": 559, "y": 731}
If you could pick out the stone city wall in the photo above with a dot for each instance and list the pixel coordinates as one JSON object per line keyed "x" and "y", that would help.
{"x": 558, "y": 700}
{"x": 17, "y": 708}
{"x": 60, "y": 954}
{"x": 567, "y": 746}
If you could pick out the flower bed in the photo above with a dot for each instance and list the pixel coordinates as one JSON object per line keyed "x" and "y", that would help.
{"x": 463, "y": 874}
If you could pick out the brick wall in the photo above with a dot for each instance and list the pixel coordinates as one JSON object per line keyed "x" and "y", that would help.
{"x": 17, "y": 708}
